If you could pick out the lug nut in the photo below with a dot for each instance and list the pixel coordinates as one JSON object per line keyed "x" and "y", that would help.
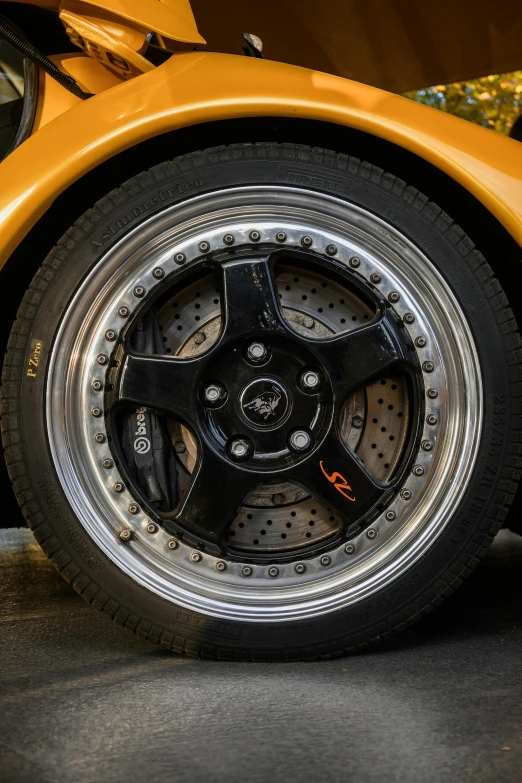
{"x": 126, "y": 534}
{"x": 406, "y": 494}
{"x": 97, "y": 386}
{"x": 354, "y": 262}
{"x": 325, "y": 560}
{"x": 255, "y": 236}
{"x": 375, "y": 278}
{"x": 97, "y": 412}
{"x": 107, "y": 463}
{"x": 213, "y": 394}
{"x": 139, "y": 291}
{"x": 240, "y": 448}
{"x": 306, "y": 241}
{"x": 300, "y": 440}
{"x": 357, "y": 422}
{"x": 204, "y": 247}
{"x": 308, "y": 322}
{"x": 247, "y": 571}
{"x": 408, "y": 318}
{"x": 420, "y": 342}
{"x": 200, "y": 338}
{"x": 393, "y": 297}
{"x": 310, "y": 379}
{"x": 102, "y": 359}
{"x": 123, "y": 312}
{"x": 180, "y": 258}
{"x": 273, "y": 571}
{"x": 257, "y": 352}
{"x": 371, "y": 533}
{"x": 118, "y": 487}
{"x": 99, "y": 437}
{"x": 428, "y": 366}
{"x": 151, "y": 527}
{"x": 331, "y": 250}
{"x": 134, "y": 508}
{"x": 431, "y": 419}
{"x": 196, "y": 557}
{"x": 418, "y": 470}
{"x": 172, "y": 543}
{"x": 158, "y": 273}
{"x": 221, "y": 565}
{"x": 427, "y": 445}
{"x": 228, "y": 239}
{"x": 432, "y": 393}
{"x": 390, "y": 515}
{"x": 349, "y": 549}
{"x": 281, "y": 236}
{"x": 299, "y": 568}
{"x": 179, "y": 447}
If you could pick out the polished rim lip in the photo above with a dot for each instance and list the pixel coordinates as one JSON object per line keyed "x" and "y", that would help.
{"x": 374, "y": 564}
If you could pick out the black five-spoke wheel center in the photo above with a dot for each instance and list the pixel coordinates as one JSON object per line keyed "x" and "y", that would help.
{"x": 264, "y": 403}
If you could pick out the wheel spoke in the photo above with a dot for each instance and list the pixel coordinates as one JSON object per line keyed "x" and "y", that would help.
{"x": 161, "y": 383}
{"x": 251, "y": 298}
{"x": 214, "y": 495}
{"x": 357, "y": 357}
{"x": 336, "y": 476}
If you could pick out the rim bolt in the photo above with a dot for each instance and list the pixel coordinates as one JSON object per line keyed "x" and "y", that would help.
{"x": 331, "y": 250}
{"x": 308, "y": 322}
{"x": 151, "y": 528}
{"x": 119, "y": 487}
{"x": 180, "y": 258}
{"x": 200, "y": 338}
{"x": 139, "y": 291}
{"x": 107, "y": 463}
{"x": 278, "y": 499}
{"x": 247, "y": 571}
{"x": 102, "y": 359}
{"x": 390, "y": 515}
{"x": 196, "y": 557}
{"x": 310, "y": 379}
{"x": 406, "y": 494}
{"x": 273, "y": 571}
{"x": 306, "y": 241}
{"x": 126, "y": 534}
{"x": 393, "y": 297}
{"x": 281, "y": 236}
{"x": 158, "y": 273}
{"x": 349, "y": 549}
{"x": 431, "y": 419}
{"x": 240, "y": 448}
{"x": 299, "y": 568}
{"x": 213, "y": 394}
{"x": 97, "y": 412}
{"x": 255, "y": 236}
{"x": 172, "y": 543}
{"x": 371, "y": 533}
{"x": 300, "y": 440}
{"x": 418, "y": 470}
{"x": 432, "y": 393}
{"x": 179, "y": 447}
{"x": 257, "y": 352}
{"x": 325, "y": 560}
{"x": 357, "y": 422}
{"x": 97, "y": 386}
{"x": 354, "y": 262}
{"x": 428, "y": 366}
{"x": 99, "y": 437}
{"x": 204, "y": 247}
{"x": 123, "y": 312}
{"x": 111, "y": 335}
{"x": 421, "y": 342}
{"x": 375, "y": 278}
{"x": 427, "y": 445}
{"x": 408, "y": 318}
{"x": 228, "y": 239}
{"x": 133, "y": 508}
{"x": 221, "y": 565}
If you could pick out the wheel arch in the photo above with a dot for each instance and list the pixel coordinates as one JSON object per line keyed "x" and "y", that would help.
{"x": 485, "y": 229}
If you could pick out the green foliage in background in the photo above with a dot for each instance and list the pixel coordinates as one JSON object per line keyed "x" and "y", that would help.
{"x": 491, "y": 101}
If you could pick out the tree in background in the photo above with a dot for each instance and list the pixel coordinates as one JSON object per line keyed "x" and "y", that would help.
{"x": 491, "y": 101}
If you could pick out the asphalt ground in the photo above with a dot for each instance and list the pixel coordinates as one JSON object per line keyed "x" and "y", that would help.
{"x": 83, "y": 700}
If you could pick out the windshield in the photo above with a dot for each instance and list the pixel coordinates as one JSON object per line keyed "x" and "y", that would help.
{"x": 11, "y": 95}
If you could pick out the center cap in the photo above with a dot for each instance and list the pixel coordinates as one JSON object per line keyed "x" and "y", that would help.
{"x": 264, "y": 403}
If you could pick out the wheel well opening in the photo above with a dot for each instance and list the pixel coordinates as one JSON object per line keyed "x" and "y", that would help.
{"x": 491, "y": 238}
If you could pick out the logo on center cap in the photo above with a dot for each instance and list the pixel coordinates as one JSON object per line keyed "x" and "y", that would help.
{"x": 264, "y": 402}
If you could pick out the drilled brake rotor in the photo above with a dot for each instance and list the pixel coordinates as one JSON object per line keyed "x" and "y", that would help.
{"x": 279, "y": 517}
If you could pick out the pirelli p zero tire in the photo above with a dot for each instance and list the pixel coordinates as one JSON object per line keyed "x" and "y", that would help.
{"x": 263, "y": 402}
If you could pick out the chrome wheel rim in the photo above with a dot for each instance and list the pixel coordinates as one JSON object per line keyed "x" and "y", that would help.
{"x": 304, "y": 587}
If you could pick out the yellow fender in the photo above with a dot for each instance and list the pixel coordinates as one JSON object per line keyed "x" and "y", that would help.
{"x": 200, "y": 87}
